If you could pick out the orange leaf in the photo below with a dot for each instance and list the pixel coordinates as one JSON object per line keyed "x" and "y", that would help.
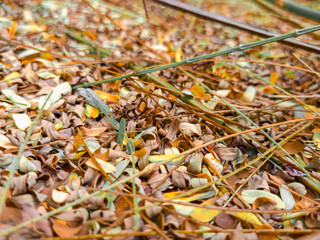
{"x": 107, "y": 96}
{"x": 200, "y": 92}
{"x": 90, "y": 34}
{"x": 13, "y": 29}
{"x": 266, "y": 236}
{"x": 62, "y": 229}
{"x": 273, "y": 77}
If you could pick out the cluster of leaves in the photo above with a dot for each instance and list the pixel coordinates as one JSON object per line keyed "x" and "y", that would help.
{"x": 214, "y": 149}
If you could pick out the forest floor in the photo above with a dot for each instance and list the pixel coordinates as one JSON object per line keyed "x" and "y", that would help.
{"x": 223, "y": 148}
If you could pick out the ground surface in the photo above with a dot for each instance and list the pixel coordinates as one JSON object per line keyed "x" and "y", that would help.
{"x": 226, "y": 148}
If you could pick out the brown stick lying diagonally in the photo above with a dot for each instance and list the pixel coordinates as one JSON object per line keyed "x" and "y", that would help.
{"x": 229, "y": 22}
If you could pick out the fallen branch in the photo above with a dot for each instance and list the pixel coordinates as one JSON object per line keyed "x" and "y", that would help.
{"x": 298, "y": 9}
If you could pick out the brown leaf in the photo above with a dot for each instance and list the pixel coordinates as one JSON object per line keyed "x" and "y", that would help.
{"x": 291, "y": 148}
{"x": 227, "y": 154}
{"x": 62, "y": 229}
{"x": 225, "y": 221}
{"x": 173, "y": 129}
{"x": 29, "y": 212}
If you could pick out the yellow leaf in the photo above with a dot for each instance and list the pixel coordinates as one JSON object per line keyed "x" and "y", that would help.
{"x": 47, "y": 56}
{"x": 91, "y": 111}
{"x": 169, "y": 195}
{"x": 10, "y": 77}
{"x": 66, "y": 76}
{"x": 78, "y": 155}
{"x": 171, "y": 159}
{"x": 247, "y": 217}
{"x": 58, "y": 126}
{"x": 73, "y": 176}
{"x": 35, "y": 28}
{"x": 107, "y": 167}
{"x": 107, "y": 96}
{"x": 178, "y": 55}
{"x": 316, "y": 139}
{"x": 191, "y": 198}
{"x": 204, "y": 214}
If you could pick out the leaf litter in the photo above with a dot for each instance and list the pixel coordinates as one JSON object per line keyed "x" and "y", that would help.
{"x": 163, "y": 155}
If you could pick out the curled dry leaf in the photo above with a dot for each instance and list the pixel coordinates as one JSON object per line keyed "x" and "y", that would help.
{"x": 62, "y": 229}
{"x": 299, "y": 187}
{"x": 179, "y": 180}
{"x": 173, "y": 129}
{"x": 26, "y": 165}
{"x": 29, "y": 212}
{"x": 195, "y": 163}
{"x": 104, "y": 215}
{"x": 152, "y": 211}
{"x": 5, "y": 143}
{"x": 227, "y": 154}
{"x": 190, "y": 129}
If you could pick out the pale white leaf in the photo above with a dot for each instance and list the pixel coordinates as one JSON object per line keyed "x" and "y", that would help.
{"x": 249, "y": 94}
{"x": 287, "y": 197}
{"x": 27, "y": 53}
{"x": 59, "y": 196}
{"x": 20, "y": 102}
{"x": 56, "y": 95}
{"x": 25, "y": 165}
{"x": 251, "y": 195}
{"x": 21, "y": 120}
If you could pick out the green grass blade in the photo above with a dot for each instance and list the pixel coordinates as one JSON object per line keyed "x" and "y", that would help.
{"x": 121, "y": 132}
